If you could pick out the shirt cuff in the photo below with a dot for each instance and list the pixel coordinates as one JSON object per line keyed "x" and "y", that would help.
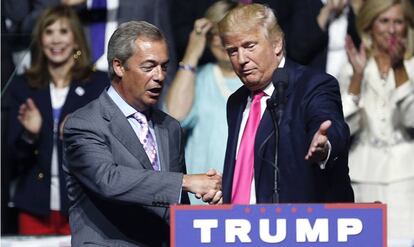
{"x": 179, "y": 198}
{"x": 322, "y": 164}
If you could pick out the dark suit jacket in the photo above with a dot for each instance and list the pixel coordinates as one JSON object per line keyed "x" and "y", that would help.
{"x": 34, "y": 160}
{"x": 117, "y": 199}
{"x": 311, "y": 99}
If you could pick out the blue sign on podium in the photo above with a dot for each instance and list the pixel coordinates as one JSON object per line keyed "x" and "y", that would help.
{"x": 284, "y": 224}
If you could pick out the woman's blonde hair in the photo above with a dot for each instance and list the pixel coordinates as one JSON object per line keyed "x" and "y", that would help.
{"x": 38, "y": 73}
{"x": 371, "y": 9}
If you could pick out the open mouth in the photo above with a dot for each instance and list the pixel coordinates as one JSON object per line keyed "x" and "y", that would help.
{"x": 57, "y": 51}
{"x": 155, "y": 91}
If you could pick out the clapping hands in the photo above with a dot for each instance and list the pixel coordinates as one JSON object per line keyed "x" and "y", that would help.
{"x": 29, "y": 116}
{"x": 357, "y": 57}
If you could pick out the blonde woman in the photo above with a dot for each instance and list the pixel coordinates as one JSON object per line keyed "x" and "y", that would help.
{"x": 378, "y": 99}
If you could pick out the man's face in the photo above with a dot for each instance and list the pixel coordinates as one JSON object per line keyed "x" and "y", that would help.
{"x": 253, "y": 56}
{"x": 142, "y": 77}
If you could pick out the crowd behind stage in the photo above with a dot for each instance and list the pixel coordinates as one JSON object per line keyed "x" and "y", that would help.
{"x": 54, "y": 62}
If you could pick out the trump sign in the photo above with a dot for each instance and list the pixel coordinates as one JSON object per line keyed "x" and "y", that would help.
{"x": 284, "y": 224}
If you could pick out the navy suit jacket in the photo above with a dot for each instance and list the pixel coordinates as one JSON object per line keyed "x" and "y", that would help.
{"x": 312, "y": 98}
{"x": 34, "y": 160}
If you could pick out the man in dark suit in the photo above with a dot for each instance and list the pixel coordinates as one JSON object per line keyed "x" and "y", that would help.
{"x": 124, "y": 159}
{"x": 313, "y": 137}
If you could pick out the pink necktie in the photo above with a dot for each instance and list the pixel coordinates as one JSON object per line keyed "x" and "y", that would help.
{"x": 243, "y": 173}
{"x": 147, "y": 139}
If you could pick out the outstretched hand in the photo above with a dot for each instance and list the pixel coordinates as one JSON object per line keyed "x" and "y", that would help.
{"x": 318, "y": 149}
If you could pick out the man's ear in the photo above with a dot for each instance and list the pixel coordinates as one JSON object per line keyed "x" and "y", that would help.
{"x": 278, "y": 46}
{"x": 118, "y": 67}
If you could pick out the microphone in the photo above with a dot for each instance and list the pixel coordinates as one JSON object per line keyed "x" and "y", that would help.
{"x": 280, "y": 80}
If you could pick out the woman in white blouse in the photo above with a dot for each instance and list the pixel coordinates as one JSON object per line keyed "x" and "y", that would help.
{"x": 377, "y": 90}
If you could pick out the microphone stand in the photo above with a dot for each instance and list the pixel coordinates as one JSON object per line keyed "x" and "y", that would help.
{"x": 280, "y": 78}
{"x": 272, "y": 105}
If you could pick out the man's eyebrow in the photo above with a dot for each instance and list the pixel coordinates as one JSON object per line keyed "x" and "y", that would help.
{"x": 151, "y": 61}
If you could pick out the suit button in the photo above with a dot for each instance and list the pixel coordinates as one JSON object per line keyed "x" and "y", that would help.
{"x": 40, "y": 176}
{"x": 36, "y": 152}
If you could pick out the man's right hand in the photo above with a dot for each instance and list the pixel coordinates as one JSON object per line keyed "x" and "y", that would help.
{"x": 206, "y": 186}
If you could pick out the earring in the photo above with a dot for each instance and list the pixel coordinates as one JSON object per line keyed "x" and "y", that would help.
{"x": 77, "y": 54}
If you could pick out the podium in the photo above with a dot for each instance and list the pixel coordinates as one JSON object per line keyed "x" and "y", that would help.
{"x": 315, "y": 225}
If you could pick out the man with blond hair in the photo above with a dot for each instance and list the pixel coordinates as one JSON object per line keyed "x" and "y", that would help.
{"x": 313, "y": 139}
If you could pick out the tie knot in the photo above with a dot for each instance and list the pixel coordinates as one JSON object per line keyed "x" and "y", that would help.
{"x": 141, "y": 118}
{"x": 257, "y": 95}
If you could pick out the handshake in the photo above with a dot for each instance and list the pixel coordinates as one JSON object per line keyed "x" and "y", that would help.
{"x": 206, "y": 186}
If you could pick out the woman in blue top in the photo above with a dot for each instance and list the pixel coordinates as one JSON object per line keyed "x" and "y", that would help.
{"x": 198, "y": 95}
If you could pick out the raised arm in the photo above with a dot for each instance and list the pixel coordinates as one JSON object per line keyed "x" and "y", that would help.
{"x": 180, "y": 96}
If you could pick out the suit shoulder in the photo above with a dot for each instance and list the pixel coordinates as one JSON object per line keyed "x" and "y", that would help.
{"x": 89, "y": 111}
{"x": 98, "y": 75}
{"x": 239, "y": 94}
{"x": 98, "y": 80}
{"x": 309, "y": 77}
{"x": 19, "y": 89}
{"x": 19, "y": 83}
{"x": 314, "y": 73}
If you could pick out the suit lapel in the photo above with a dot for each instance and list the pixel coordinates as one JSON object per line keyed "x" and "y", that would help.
{"x": 70, "y": 102}
{"x": 122, "y": 130}
{"x": 237, "y": 104}
{"x": 161, "y": 135}
{"x": 265, "y": 134}
{"x": 293, "y": 73}
{"x": 236, "y": 116}
{"x": 45, "y": 106}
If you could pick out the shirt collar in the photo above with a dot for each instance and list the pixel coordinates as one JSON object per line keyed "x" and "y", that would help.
{"x": 125, "y": 108}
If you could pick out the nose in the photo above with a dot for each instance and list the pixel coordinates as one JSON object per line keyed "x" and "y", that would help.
{"x": 241, "y": 57}
{"x": 55, "y": 37}
{"x": 159, "y": 74}
{"x": 392, "y": 27}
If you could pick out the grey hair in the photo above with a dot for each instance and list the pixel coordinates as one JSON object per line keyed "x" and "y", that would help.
{"x": 121, "y": 45}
